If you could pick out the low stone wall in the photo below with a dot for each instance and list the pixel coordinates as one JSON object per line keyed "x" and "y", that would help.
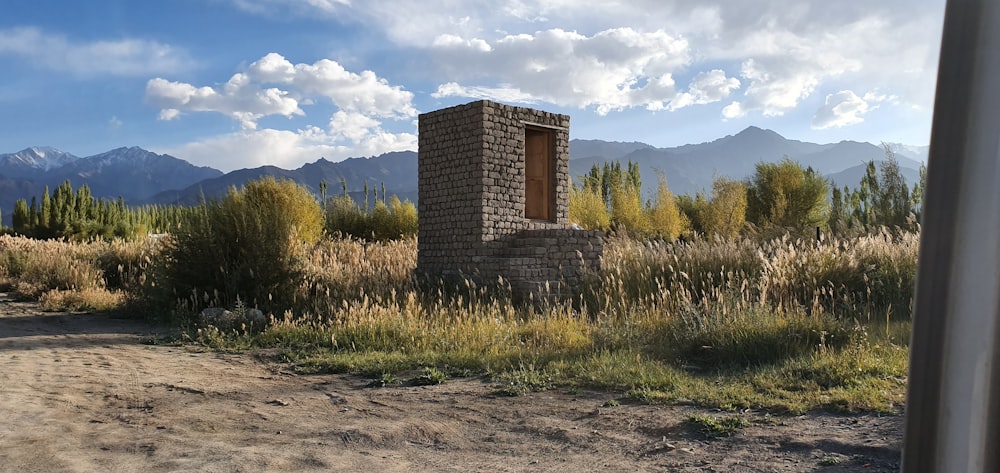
{"x": 557, "y": 255}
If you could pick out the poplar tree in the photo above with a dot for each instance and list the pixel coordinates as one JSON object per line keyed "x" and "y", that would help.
{"x": 785, "y": 195}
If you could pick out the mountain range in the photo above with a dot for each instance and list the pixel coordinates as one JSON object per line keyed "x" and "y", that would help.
{"x": 689, "y": 169}
{"x": 144, "y": 177}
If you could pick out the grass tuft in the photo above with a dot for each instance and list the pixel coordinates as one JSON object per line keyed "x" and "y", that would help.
{"x": 712, "y": 426}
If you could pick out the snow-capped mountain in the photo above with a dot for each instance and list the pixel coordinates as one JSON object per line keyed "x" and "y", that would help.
{"x": 133, "y": 173}
{"x": 29, "y": 161}
{"x": 916, "y": 152}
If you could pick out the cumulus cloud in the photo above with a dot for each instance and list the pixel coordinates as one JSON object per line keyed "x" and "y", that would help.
{"x": 845, "y": 108}
{"x": 125, "y": 57}
{"x": 253, "y": 148}
{"x": 274, "y": 86}
{"x": 733, "y": 110}
{"x": 238, "y": 99}
{"x": 706, "y": 87}
{"x": 362, "y": 92}
{"x": 789, "y": 54}
{"x": 451, "y": 41}
{"x": 610, "y": 70}
{"x": 781, "y": 52}
{"x": 168, "y": 114}
{"x": 777, "y": 86}
{"x": 247, "y": 97}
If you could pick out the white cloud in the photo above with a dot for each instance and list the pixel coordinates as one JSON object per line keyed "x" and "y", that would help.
{"x": 286, "y": 148}
{"x": 273, "y": 86}
{"x": 782, "y": 51}
{"x": 611, "y": 70}
{"x": 254, "y": 148}
{"x": 247, "y": 98}
{"x": 168, "y": 114}
{"x": 238, "y": 99}
{"x": 777, "y": 86}
{"x": 451, "y": 41}
{"x": 124, "y": 57}
{"x": 788, "y": 52}
{"x": 353, "y": 126}
{"x": 115, "y": 122}
{"x": 362, "y": 92}
{"x": 845, "y": 108}
{"x": 706, "y": 87}
{"x": 733, "y": 110}
{"x": 502, "y": 93}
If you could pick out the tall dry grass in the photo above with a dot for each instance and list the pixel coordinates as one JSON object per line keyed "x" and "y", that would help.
{"x": 864, "y": 277}
{"x": 97, "y": 275}
{"x": 785, "y": 324}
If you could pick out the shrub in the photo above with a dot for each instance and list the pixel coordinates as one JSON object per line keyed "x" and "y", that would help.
{"x": 723, "y": 215}
{"x": 755, "y": 337}
{"x": 392, "y": 221}
{"x": 249, "y": 246}
{"x": 727, "y": 212}
{"x": 343, "y": 216}
{"x": 91, "y": 299}
{"x": 587, "y": 209}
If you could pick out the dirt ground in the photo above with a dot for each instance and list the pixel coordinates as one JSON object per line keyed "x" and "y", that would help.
{"x": 81, "y": 392}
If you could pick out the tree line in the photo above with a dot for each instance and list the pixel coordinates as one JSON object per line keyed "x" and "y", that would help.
{"x": 78, "y": 215}
{"x": 778, "y": 198}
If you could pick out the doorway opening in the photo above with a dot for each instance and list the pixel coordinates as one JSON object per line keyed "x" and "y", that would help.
{"x": 539, "y": 173}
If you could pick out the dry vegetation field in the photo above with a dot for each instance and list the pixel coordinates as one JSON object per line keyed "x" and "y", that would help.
{"x": 712, "y": 355}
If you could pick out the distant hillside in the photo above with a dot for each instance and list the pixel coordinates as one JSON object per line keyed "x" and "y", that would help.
{"x": 691, "y": 168}
{"x": 398, "y": 171}
{"x": 132, "y": 173}
{"x": 144, "y": 177}
{"x": 603, "y": 149}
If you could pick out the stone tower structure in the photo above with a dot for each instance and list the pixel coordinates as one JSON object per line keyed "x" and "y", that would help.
{"x": 493, "y": 198}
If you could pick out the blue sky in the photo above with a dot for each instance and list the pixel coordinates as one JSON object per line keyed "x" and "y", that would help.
{"x": 242, "y": 83}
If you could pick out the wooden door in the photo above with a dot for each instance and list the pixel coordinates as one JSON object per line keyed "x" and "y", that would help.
{"x": 538, "y": 174}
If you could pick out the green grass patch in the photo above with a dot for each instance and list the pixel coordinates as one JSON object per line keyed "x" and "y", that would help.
{"x": 429, "y": 377}
{"x": 522, "y": 380}
{"x": 718, "y": 426}
{"x": 867, "y": 374}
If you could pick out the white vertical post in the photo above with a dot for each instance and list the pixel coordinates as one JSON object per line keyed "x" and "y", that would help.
{"x": 953, "y": 404}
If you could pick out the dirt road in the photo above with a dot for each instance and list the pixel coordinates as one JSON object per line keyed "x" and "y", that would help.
{"x": 81, "y": 393}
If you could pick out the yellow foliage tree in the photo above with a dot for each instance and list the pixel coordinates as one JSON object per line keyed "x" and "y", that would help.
{"x": 665, "y": 217}
{"x": 786, "y": 195}
{"x": 726, "y": 213}
{"x": 587, "y": 209}
{"x": 626, "y": 210}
